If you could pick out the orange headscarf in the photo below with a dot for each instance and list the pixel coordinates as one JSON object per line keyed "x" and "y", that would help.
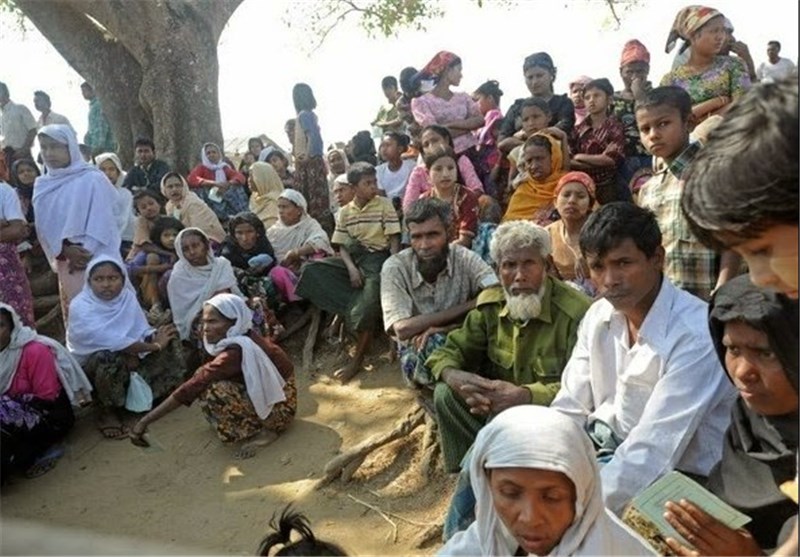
{"x": 532, "y": 195}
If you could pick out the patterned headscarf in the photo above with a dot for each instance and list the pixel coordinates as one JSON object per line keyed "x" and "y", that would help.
{"x": 687, "y": 22}
{"x": 575, "y": 176}
{"x": 439, "y": 63}
{"x": 634, "y": 51}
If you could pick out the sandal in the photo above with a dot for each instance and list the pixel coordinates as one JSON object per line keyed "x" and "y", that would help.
{"x": 46, "y": 462}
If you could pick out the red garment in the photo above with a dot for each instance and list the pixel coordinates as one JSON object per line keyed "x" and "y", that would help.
{"x": 608, "y": 139}
{"x": 634, "y": 51}
{"x": 439, "y": 63}
{"x": 200, "y": 173}
{"x": 227, "y": 365}
{"x": 465, "y": 212}
{"x": 36, "y": 373}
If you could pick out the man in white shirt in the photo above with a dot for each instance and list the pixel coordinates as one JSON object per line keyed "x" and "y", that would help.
{"x": 17, "y": 127}
{"x": 775, "y": 68}
{"x": 642, "y": 379}
{"x": 42, "y": 103}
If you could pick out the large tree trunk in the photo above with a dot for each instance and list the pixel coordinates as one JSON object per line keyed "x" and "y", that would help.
{"x": 153, "y": 64}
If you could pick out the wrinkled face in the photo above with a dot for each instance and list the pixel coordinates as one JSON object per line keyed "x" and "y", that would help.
{"x": 442, "y": 173}
{"x": 389, "y": 149}
{"x": 485, "y": 102}
{"x": 534, "y": 119}
{"x": 537, "y": 161}
{"x": 6, "y": 327}
{"x": 144, "y": 154}
{"x": 167, "y": 239}
{"x": 537, "y": 506}
{"x": 432, "y": 141}
{"x": 344, "y": 193}
{"x": 26, "y": 174}
{"x": 772, "y": 258}
{"x": 54, "y": 154}
{"x": 215, "y": 325}
{"x": 148, "y": 207}
{"x": 539, "y": 81}
{"x": 596, "y": 101}
{"x": 366, "y": 188}
{"x": 453, "y": 75}
{"x": 277, "y": 163}
{"x": 711, "y": 37}
{"x": 195, "y": 250}
{"x": 428, "y": 239}
{"x": 756, "y": 371}
{"x": 573, "y": 201}
{"x": 106, "y": 281}
{"x": 522, "y": 270}
{"x": 213, "y": 154}
{"x": 336, "y": 163}
{"x": 625, "y": 276}
{"x": 634, "y": 70}
{"x": 246, "y": 235}
{"x": 173, "y": 189}
{"x": 576, "y": 94}
{"x": 110, "y": 170}
{"x": 662, "y": 130}
{"x": 288, "y": 212}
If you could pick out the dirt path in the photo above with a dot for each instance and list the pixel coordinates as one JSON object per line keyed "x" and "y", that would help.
{"x": 193, "y": 493}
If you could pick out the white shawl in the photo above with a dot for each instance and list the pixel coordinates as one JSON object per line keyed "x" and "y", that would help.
{"x": 74, "y": 202}
{"x": 96, "y": 324}
{"x": 123, "y": 207}
{"x": 219, "y": 168}
{"x": 307, "y": 231}
{"x": 262, "y": 379}
{"x": 189, "y": 286}
{"x": 74, "y": 381}
{"x": 531, "y": 436}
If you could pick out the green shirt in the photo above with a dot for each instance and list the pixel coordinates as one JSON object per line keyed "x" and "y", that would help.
{"x": 531, "y": 355}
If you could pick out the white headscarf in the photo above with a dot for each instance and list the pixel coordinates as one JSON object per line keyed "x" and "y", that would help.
{"x": 74, "y": 201}
{"x": 219, "y": 168}
{"x": 123, "y": 208}
{"x": 531, "y": 436}
{"x": 96, "y": 324}
{"x": 306, "y": 231}
{"x": 189, "y": 286}
{"x": 262, "y": 379}
{"x": 74, "y": 381}
{"x": 103, "y": 157}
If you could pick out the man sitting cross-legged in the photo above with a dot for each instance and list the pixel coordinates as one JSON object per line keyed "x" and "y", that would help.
{"x": 427, "y": 289}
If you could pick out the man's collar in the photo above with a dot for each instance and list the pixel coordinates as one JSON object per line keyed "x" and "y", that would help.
{"x": 416, "y": 277}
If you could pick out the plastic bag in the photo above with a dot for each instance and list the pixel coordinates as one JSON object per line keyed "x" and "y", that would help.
{"x": 140, "y": 396}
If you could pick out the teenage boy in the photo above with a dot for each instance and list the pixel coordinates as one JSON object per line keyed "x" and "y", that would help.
{"x": 367, "y": 233}
{"x": 665, "y": 120}
{"x": 388, "y": 118}
{"x": 148, "y": 171}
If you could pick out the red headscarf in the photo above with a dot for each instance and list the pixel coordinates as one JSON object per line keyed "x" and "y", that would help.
{"x": 688, "y": 21}
{"x": 634, "y": 51}
{"x": 439, "y": 63}
{"x": 575, "y": 176}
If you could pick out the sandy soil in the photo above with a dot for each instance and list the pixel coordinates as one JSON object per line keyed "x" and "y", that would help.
{"x": 192, "y": 493}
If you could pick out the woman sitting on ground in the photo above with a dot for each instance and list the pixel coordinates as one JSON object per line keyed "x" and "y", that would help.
{"x": 247, "y": 388}
{"x": 39, "y": 382}
{"x": 218, "y": 184}
{"x": 185, "y": 206}
{"x": 110, "y": 337}
{"x": 265, "y": 186}
{"x": 538, "y": 492}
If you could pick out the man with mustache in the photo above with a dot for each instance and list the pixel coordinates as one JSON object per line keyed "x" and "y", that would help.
{"x": 512, "y": 347}
{"x": 427, "y": 289}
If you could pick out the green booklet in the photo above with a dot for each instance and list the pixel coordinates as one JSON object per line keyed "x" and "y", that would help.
{"x": 645, "y": 514}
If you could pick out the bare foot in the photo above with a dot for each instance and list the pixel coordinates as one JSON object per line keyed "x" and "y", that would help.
{"x": 250, "y": 447}
{"x": 346, "y": 373}
{"x": 110, "y": 426}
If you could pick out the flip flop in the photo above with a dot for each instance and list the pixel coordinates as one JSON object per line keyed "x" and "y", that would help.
{"x": 115, "y": 432}
{"x": 46, "y": 462}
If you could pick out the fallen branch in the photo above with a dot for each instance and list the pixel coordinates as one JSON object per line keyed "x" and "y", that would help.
{"x": 380, "y": 512}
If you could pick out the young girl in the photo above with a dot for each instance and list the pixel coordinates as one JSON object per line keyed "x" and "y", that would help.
{"x": 310, "y": 173}
{"x": 393, "y": 174}
{"x": 111, "y": 166}
{"x": 219, "y": 185}
{"x": 488, "y": 160}
{"x": 251, "y": 255}
{"x": 148, "y": 268}
{"x": 280, "y": 163}
{"x": 535, "y": 114}
{"x": 147, "y": 207}
{"x": 442, "y": 172}
{"x": 23, "y": 174}
{"x": 188, "y": 208}
{"x": 436, "y": 138}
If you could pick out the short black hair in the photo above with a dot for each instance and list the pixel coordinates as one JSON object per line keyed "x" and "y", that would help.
{"x": 291, "y": 520}
{"x": 431, "y": 158}
{"x": 359, "y": 170}
{"x": 389, "y": 81}
{"x": 141, "y": 194}
{"x": 161, "y": 225}
{"x": 668, "y": 95}
{"x": 427, "y": 208}
{"x": 43, "y": 95}
{"x": 401, "y": 139}
{"x": 303, "y": 97}
{"x": 537, "y": 102}
{"x": 539, "y": 60}
{"x": 491, "y": 89}
{"x": 614, "y": 223}
{"x": 745, "y": 179}
{"x": 776, "y": 43}
{"x": 4, "y": 89}
{"x": 87, "y": 85}
{"x": 144, "y": 142}
{"x": 409, "y": 81}
{"x": 602, "y": 84}
{"x": 255, "y": 140}
{"x": 440, "y": 130}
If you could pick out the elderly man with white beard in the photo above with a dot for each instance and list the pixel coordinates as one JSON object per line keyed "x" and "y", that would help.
{"x": 512, "y": 347}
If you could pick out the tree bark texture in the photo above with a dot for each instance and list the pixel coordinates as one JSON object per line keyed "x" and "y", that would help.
{"x": 153, "y": 65}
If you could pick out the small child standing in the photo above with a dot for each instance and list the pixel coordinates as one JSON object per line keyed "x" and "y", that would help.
{"x": 489, "y": 159}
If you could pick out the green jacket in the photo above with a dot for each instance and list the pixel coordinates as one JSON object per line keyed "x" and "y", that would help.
{"x": 494, "y": 346}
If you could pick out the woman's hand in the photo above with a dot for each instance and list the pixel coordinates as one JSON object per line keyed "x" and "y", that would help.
{"x": 707, "y": 534}
{"x": 164, "y": 334}
{"x": 77, "y": 257}
{"x": 292, "y": 259}
{"x": 137, "y": 433}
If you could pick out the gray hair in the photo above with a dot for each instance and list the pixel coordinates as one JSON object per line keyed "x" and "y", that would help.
{"x": 519, "y": 234}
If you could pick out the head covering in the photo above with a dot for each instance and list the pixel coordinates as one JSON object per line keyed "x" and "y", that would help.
{"x": 191, "y": 210}
{"x": 265, "y": 153}
{"x": 25, "y": 190}
{"x": 540, "y": 60}
{"x": 267, "y": 186}
{"x": 96, "y": 324}
{"x": 530, "y": 436}
{"x": 72, "y": 377}
{"x": 305, "y": 232}
{"x": 532, "y": 195}
{"x": 576, "y": 176}
{"x": 261, "y": 378}
{"x": 581, "y": 79}
{"x": 634, "y": 51}
{"x": 439, "y": 63}
{"x": 103, "y": 157}
{"x": 343, "y": 153}
{"x": 218, "y": 168}
{"x": 189, "y": 286}
{"x": 73, "y": 202}
{"x": 234, "y": 253}
{"x": 687, "y": 22}
{"x": 759, "y": 452}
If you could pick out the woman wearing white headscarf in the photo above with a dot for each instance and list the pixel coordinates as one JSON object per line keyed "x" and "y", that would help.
{"x": 109, "y": 335}
{"x": 197, "y": 276}
{"x": 537, "y": 487}
{"x": 295, "y": 238}
{"x": 74, "y": 205}
{"x": 247, "y": 388}
{"x": 111, "y": 166}
{"x": 218, "y": 183}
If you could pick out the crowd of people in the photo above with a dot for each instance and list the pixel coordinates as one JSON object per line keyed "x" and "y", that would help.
{"x": 592, "y": 290}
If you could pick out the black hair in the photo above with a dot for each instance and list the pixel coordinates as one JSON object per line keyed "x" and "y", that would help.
{"x": 776, "y": 43}
{"x": 14, "y": 173}
{"x": 401, "y": 139}
{"x": 538, "y": 140}
{"x": 10, "y": 318}
{"x": 43, "y": 95}
{"x": 144, "y": 142}
{"x": 537, "y": 102}
{"x": 614, "y": 223}
{"x": 141, "y": 194}
{"x": 745, "y": 179}
{"x": 291, "y": 520}
{"x": 4, "y": 89}
{"x": 247, "y": 217}
{"x": 602, "y": 84}
{"x": 363, "y": 148}
{"x": 255, "y": 140}
{"x": 425, "y": 209}
{"x": 491, "y": 89}
{"x": 87, "y": 85}
{"x": 539, "y": 60}
{"x": 359, "y": 170}
{"x": 409, "y": 82}
{"x": 278, "y": 153}
{"x": 303, "y": 97}
{"x": 431, "y": 158}
{"x": 197, "y": 234}
{"x": 389, "y": 81}
{"x": 441, "y": 130}
{"x": 668, "y": 95}
{"x": 161, "y": 225}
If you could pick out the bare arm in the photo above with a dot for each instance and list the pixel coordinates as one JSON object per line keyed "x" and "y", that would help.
{"x": 14, "y": 231}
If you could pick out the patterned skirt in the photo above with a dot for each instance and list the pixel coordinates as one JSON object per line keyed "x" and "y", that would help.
{"x": 15, "y": 290}
{"x": 229, "y": 410}
{"x": 311, "y": 179}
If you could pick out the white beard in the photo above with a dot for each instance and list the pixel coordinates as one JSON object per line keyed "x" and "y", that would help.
{"x": 524, "y": 307}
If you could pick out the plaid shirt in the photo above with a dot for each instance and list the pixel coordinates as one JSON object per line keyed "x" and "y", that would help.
{"x": 689, "y": 264}
{"x": 608, "y": 139}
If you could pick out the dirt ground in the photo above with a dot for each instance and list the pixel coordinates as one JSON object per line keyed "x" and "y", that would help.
{"x": 191, "y": 493}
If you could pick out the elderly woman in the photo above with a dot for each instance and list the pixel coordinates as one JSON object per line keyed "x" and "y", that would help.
{"x": 218, "y": 184}
{"x": 246, "y": 389}
{"x": 111, "y": 166}
{"x": 538, "y": 492}
{"x": 265, "y": 187}
{"x": 713, "y": 81}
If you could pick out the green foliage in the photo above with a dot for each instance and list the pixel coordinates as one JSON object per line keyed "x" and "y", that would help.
{"x": 10, "y": 12}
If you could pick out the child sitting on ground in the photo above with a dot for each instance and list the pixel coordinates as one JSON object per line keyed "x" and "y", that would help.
{"x": 149, "y": 267}
{"x": 147, "y": 207}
